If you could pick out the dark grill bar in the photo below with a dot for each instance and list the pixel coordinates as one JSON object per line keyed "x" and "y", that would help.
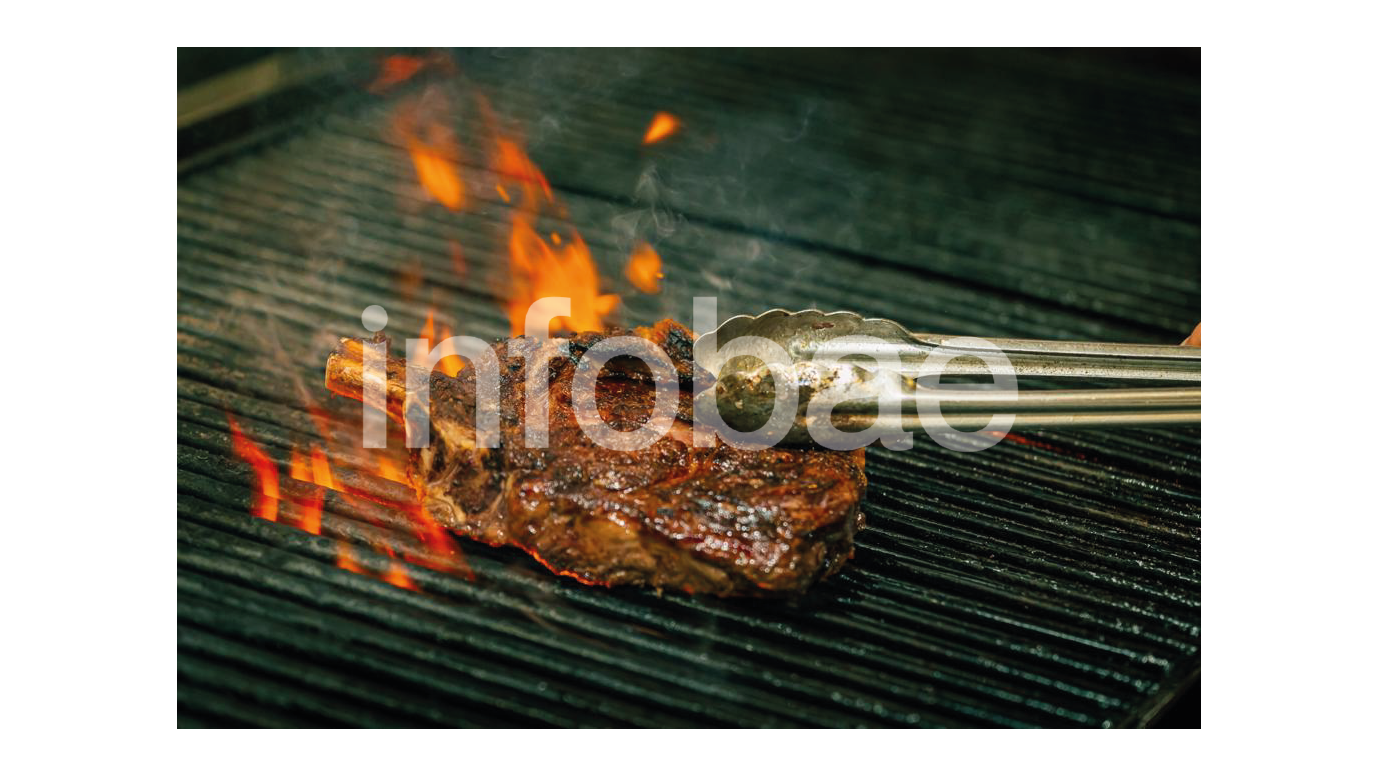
{"x": 1053, "y": 580}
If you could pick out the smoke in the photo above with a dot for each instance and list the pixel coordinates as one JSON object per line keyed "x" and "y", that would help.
{"x": 652, "y": 219}
{"x": 715, "y": 197}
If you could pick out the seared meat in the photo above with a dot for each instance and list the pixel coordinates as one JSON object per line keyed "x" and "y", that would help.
{"x": 706, "y": 520}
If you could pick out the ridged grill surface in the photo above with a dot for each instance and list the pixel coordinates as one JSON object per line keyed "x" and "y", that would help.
{"x": 1052, "y": 580}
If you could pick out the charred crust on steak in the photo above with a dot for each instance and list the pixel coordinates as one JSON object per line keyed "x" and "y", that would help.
{"x": 714, "y": 520}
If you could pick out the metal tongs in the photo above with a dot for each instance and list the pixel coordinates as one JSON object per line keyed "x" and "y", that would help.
{"x": 872, "y": 373}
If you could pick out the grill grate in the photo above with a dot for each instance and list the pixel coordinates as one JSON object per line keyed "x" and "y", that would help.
{"x": 1052, "y": 580}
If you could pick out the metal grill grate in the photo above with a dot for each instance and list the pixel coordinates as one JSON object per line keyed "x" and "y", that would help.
{"x": 1052, "y": 580}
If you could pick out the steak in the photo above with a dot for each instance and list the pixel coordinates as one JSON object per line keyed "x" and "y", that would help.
{"x": 716, "y": 520}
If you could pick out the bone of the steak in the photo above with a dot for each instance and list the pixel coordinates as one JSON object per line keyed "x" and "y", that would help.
{"x": 344, "y": 374}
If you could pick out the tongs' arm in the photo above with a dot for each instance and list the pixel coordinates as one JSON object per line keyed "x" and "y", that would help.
{"x": 1035, "y": 358}
{"x": 967, "y": 410}
{"x": 889, "y": 403}
{"x": 1022, "y": 421}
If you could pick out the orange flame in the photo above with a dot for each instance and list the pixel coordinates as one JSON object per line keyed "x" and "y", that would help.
{"x": 310, "y": 520}
{"x": 320, "y": 468}
{"x": 643, "y": 269}
{"x": 400, "y": 68}
{"x": 450, "y": 362}
{"x": 511, "y": 162}
{"x": 388, "y": 471}
{"x": 539, "y": 270}
{"x": 433, "y": 149}
{"x": 397, "y": 575}
{"x": 437, "y": 174}
{"x": 428, "y": 330}
{"x": 429, "y": 530}
{"x": 449, "y": 558}
{"x": 299, "y": 469}
{"x": 395, "y": 70}
{"x": 662, "y": 126}
{"x": 317, "y": 471}
{"x": 266, "y": 500}
{"x": 344, "y": 558}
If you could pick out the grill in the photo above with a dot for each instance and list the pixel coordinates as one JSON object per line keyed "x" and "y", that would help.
{"x": 1053, "y": 580}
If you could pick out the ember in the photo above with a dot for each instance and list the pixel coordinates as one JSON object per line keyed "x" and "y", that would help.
{"x": 662, "y": 126}
{"x": 643, "y": 269}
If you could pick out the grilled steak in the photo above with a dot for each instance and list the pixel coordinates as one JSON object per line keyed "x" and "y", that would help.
{"x": 715, "y": 520}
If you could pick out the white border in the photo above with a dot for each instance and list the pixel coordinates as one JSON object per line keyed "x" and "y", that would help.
{"x": 1288, "y": 266}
